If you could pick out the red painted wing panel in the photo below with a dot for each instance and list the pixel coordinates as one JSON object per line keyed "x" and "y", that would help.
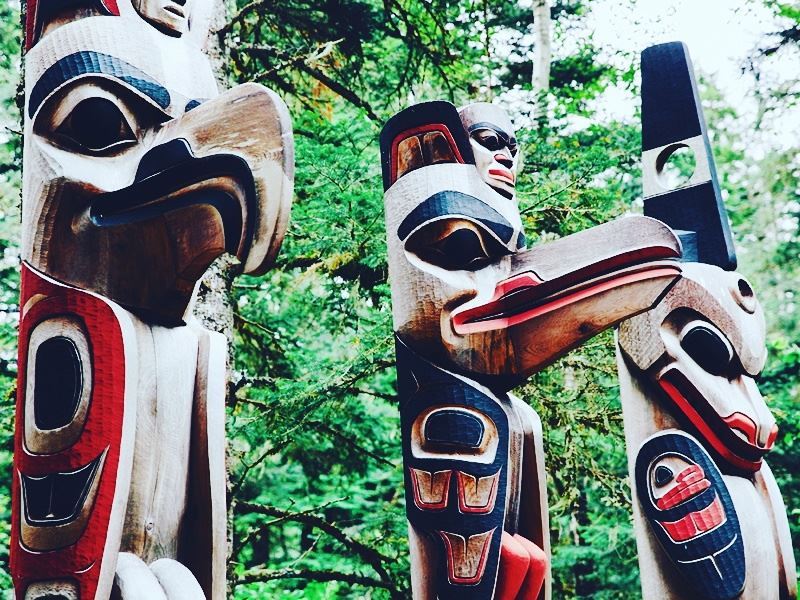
{"x": 103, "y": 430}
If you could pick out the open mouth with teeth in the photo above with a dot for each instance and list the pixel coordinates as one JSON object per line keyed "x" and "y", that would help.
{"x": 527, "y": 296}
{"x": 222, "y": 181}
{"x": 59, "y": 498}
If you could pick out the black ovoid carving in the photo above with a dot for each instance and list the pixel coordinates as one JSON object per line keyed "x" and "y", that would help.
{"x": 59, "y": 383}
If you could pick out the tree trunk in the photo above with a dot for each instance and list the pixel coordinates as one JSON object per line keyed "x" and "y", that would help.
{"x": 542, "y": 56}
{"x": 214, "y": 304}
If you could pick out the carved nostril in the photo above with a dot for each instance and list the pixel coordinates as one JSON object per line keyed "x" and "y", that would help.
{"x": 162, "y": 157}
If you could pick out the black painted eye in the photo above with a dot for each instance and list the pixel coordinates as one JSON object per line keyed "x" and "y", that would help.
{"x": 96, "y": 125}
{"x": 663, "y": 475}
{"x": 488, "y": 139}
{"x": 459, "y": 248}
{"x": 707, "y": 348}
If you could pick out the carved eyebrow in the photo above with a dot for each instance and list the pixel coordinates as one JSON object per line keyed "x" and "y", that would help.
{"x": 456, "y": 204}
{"x": 86, "y": 62}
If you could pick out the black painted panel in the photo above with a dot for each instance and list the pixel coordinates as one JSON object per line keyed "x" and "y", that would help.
{"x": 423, "y": 386}
{"x": 455, "y": 428}
{"x": 712, "y": 564}
{"x": 671, "y": 113}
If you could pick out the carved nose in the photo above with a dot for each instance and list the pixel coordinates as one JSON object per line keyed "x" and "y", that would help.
{"x": 162, "y": 157}
{"x": 504, "y": 160}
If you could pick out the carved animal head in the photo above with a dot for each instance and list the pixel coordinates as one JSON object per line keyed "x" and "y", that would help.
{"x": 703, "y": 345}
{"x": 465, "y": 291}
{"x": 138, "y": 174}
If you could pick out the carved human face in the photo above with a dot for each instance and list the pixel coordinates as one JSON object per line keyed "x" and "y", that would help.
{"x": 170, "y": 16}
{"x": 494, "y": 145}
{"x": 465, "y": 291}
{"x": 135, "y": 180}
{"x": 703, "y": 345}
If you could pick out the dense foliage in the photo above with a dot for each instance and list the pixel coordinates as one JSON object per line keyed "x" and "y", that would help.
{"x": 317, "y": 506}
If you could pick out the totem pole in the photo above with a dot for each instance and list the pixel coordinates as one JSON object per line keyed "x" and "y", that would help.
{"x": 708, "y": 516}
{"x": 137, "y": 175}
{"x": 476, "y": 313}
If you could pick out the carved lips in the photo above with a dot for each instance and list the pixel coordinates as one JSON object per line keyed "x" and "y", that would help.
{"x": 734, "y": 437}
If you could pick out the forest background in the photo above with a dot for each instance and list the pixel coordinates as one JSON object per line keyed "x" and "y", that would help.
{"x": 316, "y": 486}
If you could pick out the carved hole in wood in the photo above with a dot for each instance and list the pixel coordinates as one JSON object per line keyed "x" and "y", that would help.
{"x": 59, "y": 383}
{"x": 675, "y": 166}
{"x": 745, "y": 296}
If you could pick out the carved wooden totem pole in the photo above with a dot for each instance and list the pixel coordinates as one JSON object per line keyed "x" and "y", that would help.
{"x": 709, "y": 519}
{"x": 137, "y": 175}
{"x": 476, "y": 313}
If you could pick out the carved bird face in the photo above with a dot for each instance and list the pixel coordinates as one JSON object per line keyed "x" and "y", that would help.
{"x": 465, "y": 290}
{"x": 703, "y": 345}
{"x": 138, "y": 174}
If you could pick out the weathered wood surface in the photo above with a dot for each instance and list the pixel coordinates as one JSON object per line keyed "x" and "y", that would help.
{"x": 138, "y": 174}
{"x": 708, "y": 517}
{"x": 475, "y": 313}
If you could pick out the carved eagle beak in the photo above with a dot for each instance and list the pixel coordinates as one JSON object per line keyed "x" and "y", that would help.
{"x": 566, "y": 291}
{"x": 219, "y": 178}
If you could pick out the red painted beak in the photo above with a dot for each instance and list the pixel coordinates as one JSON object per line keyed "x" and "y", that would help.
{"x": 563, "y": 292}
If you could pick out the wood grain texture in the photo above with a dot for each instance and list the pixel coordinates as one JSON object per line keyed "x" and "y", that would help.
{"x": 475, "y": 313}
{"x": 672, "y": 119}
{"x": 138, "y": 174}
{"x": 723, "y": 410}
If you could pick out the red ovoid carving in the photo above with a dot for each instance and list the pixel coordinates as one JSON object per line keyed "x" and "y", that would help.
{"x": 81, "y": 561}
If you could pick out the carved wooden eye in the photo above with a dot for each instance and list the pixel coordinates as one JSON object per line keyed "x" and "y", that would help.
{"x": 96, "y": 125}
{"x": 707, "y": 347}
{"x": 488, "y": 139}
{"x": 459, "y": 245}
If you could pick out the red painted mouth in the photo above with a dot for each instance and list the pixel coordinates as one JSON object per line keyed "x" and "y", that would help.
{"x": 746, "y": 426}
{"x": 717, "y": 431}
{"x": 525, "y": 296}
{"x": 504, "y": 174}
{"x": 690, "y": 482}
